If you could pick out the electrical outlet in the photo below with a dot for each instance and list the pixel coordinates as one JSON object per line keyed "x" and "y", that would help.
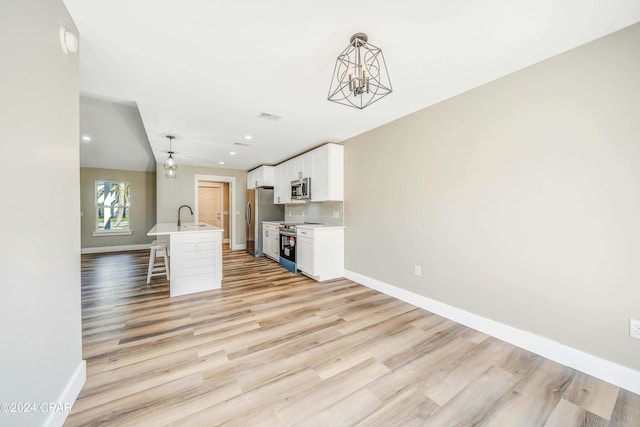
{"x": 417, "y": 270}
{"x": 634, "y": 328}
{"x": 289, "y": 213}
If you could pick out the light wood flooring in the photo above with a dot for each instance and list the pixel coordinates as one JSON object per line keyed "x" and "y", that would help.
{"x": 274, "y": 348}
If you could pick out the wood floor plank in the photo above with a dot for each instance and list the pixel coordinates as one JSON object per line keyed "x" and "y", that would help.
{"x": 276, "y": 348}
{"x": 462, "y": 371}
{"x": 113, "y": 406}
{"x": 408, "y": 408}
{"x": 626, "y": 412}
{"x": 476, "y": 402}
{"x": 417, "y": 372}
{"x": 567, "y": 414}
{"x": 595, "y": 396}
{"x": 345, "y": 412}
{"x": 250, "y": 407}
{"x": 535, "y": 396}
{"x": 330, "y": 391}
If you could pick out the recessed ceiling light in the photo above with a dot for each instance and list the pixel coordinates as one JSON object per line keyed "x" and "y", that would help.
{"x": 232, "y": 153}
{"x": 86, "y": 138}
{"x": 221, "y": 163}
{"x": 248, "y": 137}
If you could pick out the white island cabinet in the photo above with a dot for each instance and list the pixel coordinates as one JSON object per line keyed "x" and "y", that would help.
{"x": 320, "y": 251}
{"x": 195, "y": 262}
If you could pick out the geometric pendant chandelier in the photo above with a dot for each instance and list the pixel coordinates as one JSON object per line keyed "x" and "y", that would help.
{"x": 360, "y": 76}
{"x": 170, "y": 164}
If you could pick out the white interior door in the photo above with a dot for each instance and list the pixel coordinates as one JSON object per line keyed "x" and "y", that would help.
{"x": 210, "y": 204}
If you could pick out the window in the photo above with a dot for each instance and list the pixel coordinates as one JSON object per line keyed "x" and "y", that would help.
{"x": 113, "y": 205}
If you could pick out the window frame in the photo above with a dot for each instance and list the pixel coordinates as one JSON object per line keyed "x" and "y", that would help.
{"x": 126, "y": 206}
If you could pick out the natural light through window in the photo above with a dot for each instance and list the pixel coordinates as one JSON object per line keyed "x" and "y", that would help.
{"x": 113, "y": 206}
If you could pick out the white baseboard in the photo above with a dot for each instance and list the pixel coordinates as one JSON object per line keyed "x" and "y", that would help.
{"x": 68, "y": 397}
{"x": 237, "y": 247}
{"x": 606, "y": 370}
{"x": 115, "y": 248}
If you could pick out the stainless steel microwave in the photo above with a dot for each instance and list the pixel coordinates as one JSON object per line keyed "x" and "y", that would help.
{"x": 301, "y": 189}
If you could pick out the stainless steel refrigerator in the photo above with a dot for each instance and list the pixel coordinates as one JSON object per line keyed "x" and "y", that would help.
{"x": 260, "y": 208}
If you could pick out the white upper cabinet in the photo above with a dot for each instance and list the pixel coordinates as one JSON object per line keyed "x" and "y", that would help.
{"x": 251, "y": 180}
{"x": 300, "y": 167}
{"x": 261, "y": 177}
{"x": 282, "y": 186}
{"x": 325, "y": 167}
{"x": 327, "y": 178}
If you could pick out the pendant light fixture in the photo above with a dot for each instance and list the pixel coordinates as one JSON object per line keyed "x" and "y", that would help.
{"x": 170, "y": 164}
{"x": 360, "y": 76}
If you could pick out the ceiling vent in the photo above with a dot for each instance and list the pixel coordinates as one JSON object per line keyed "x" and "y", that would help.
{"x": 269, "y": 116}
{"x": 242, "y": 144}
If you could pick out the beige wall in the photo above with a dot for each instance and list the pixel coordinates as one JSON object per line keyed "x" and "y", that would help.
{"x": 143, "y": 206}
{"x": 41, "y": 332}
{"x": 172, "y": 193}
{"x": 520, "y": 199}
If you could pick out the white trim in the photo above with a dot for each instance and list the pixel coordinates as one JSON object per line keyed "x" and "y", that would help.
{"x": 232, "y": 205}
{"x": 225, "y": 240}
{"x": 111, "y": 233}
{"x": 115, "y": 248}
{"x": 68, "y": 395}
{"x": 606, "y": 370}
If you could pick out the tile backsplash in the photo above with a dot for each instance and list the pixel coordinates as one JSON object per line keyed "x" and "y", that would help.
{"x": 322, "y": 212}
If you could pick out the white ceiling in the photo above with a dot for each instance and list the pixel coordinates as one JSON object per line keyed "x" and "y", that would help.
{"x": 118, "y": 139}
{"x": 204, "y": 70}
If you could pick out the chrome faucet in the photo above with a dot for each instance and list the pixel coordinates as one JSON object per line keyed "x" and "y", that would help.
{"x": 179, "y": 209}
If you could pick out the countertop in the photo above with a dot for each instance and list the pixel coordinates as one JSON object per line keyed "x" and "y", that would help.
{"x": 167, "y": 228}
{"x": 303, "y": 225}
{"x": 319, "y": 226}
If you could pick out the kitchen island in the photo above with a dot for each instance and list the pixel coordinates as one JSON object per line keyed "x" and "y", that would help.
{"x": 195, "y": 262}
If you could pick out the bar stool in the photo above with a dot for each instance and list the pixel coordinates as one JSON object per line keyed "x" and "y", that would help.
{"x": 158, "y": 270}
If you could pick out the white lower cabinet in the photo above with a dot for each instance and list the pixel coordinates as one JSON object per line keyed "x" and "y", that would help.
{"x": 271, "y": 240}
{"x": 320, "y": 252}
{"x": 304, "y": 254}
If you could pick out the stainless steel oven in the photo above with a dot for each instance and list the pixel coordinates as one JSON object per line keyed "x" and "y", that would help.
{"x": 288, "y": 247}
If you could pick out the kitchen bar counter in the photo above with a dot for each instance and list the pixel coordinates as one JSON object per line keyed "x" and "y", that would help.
{"x": 165, "y": 228}
{"x": 195, "y": 262}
